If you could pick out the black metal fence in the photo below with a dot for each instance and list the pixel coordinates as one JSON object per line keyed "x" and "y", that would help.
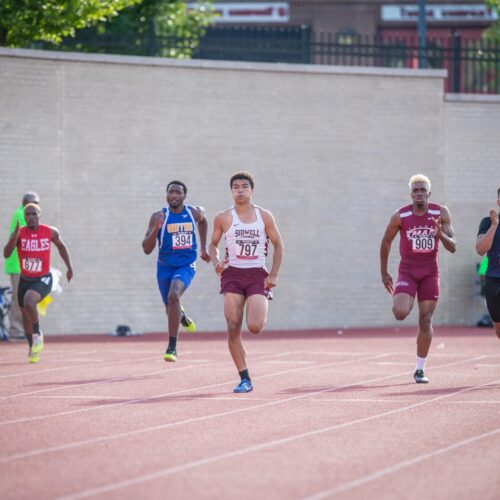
{"x": 473, "y": 65}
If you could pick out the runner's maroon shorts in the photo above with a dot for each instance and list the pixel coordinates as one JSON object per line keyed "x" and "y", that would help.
{"x": 417, "y": 278}
{"x": 244, "y": 282}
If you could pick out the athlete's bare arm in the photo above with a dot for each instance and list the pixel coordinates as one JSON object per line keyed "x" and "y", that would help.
{"x": 274, "y": 235}
{"x": 445, "y": 232}
{"x": 485, "y": 240}
{"x": 221, "y": 223}
{"x": 385, "y": 247}
{"x": 155, "y": 223}
{"x": 201, "y": 219}
{"x": 63, "y": 251}
{"x": 12, "y": 242}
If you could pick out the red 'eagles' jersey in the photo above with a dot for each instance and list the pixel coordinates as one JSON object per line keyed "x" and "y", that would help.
{"x": 33, "y": 249}
{"x": 418, "y": 233}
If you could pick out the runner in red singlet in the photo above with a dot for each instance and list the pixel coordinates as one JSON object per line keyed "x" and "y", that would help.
{"x": 422, "y": 225}
{"x": 247, "y": 230}
{"x": 33, "y": 248}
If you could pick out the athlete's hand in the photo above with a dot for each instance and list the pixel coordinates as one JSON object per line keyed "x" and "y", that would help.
{"x": 69, "y": 274}
{"x": 439, "y": 227}
{"x": 270, "y": 282}
{"x": 204, "y": 255}
{"x": 494, "y": 217}
{"x": 158, "y": 219}
{"x": 387, "y": 281}
{"x": 219, "y": 267}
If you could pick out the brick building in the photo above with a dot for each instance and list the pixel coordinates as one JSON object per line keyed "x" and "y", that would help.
{"x": 367, "y": 17}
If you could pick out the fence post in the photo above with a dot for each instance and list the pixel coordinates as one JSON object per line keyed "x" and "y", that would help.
{"x": 456, "y": 62}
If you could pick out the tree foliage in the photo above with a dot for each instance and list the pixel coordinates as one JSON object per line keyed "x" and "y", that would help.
{"x": 23, "y": 22}
{"x": 493, "y": 32}
{"x": 154, "y": 27}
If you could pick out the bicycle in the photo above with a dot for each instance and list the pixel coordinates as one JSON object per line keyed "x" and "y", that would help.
{"x": 5, "y": 301}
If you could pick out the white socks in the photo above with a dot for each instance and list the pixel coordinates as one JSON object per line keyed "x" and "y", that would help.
{"x": 421, "y": 363}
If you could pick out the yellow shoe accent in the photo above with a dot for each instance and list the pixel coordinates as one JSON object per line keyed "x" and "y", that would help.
{"x": 34, "y": 358}
{"x": 170, "y": 356}
{"x": 191, "y": 327}
{"x": 38, "y": 345}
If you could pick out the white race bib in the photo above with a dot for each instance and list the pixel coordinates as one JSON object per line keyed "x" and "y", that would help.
{"x": 247, "y": 249}
{"x": 423, "y": 244}
{"x": 32, "y": 265}
{"x": 182, "y": 241}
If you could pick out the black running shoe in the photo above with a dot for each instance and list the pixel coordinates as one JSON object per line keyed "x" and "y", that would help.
{"x": 420, "y": 377}
{"x": 170, "y": 355}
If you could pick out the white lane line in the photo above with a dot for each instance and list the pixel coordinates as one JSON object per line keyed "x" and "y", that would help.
{"x": 131, "y": 401}
{"x": 399, "y": 466}
{"x": 78, "y": 397}
{"x": 31, "y": 373}
{"x": 262, "y": 446}
{"x": 116, "y": 379}
{"x": 109, "y": 437}
{"x": 173, "y": 424}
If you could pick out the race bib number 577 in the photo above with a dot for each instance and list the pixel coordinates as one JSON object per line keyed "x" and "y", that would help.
{"x": 32, "y": 265}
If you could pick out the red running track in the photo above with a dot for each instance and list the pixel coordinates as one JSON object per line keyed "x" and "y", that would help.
{"x": 333, "y": 415}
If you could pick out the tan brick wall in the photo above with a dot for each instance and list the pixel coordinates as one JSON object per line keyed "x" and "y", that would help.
{"x": 331, "y": 148}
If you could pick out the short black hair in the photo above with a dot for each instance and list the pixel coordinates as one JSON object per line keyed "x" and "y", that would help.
{"x": 247, "y": 176}
{"x": 180, "y": 184}
{"x": 498, "y": 193}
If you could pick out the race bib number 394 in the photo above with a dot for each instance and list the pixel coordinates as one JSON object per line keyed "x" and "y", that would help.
{"x": 181, "y": 241}
{"x": 32, "y": 265}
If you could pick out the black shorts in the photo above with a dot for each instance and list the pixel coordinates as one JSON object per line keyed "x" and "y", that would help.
{"x": 41, "y": 285}
{"x": 492, "y": 296}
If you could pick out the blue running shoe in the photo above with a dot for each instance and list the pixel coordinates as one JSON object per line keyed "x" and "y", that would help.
{"x": 244, "y": 386}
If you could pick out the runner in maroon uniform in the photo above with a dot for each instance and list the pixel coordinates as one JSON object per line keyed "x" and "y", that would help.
{"x": 33, "y": 246}
{"x": 421, "y": 226}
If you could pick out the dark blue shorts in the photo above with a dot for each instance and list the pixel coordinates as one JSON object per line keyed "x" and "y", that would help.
{"x": 166, "y": 274}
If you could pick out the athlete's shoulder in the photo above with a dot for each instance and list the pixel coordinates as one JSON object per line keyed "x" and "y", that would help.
{"x": 405, "y": 210}
{"x": 435, "y": 208}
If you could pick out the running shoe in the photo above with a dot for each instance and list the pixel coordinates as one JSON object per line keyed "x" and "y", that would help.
{"x": 37, "y": 343}
{"x": 170, "y": 355}
{"x": 244, "y": 386}
{"x": 33, "y": 358}
{"x": 420, "y": 377}
{"x": 188, "y": 324}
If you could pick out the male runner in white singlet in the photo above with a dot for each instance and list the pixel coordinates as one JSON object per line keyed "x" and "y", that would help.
{"x": 247, "y": 230}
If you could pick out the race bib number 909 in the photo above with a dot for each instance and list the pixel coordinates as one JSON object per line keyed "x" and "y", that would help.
{"x": 423, "y": 244}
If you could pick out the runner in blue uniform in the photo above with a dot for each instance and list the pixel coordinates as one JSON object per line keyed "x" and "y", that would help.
{"x": 488, "y": 241}
{"x": 174, "y": 228}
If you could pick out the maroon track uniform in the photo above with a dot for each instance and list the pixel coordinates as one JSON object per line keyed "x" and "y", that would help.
{"x": 418, "y": 270}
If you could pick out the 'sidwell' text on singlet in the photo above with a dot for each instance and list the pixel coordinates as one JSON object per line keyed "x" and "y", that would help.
{"x": 246, "y": 243}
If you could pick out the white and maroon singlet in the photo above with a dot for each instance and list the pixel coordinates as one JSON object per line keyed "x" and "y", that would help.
{"x": 418, "y": 233}
{"x": 33, "y": 248}
{"x": 246, "y": 243}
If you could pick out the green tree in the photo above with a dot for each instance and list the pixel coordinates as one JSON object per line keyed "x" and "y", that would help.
{"x": 493, "y": 32}
{"x": 152, "y": 27}
{"x": 23, "y": 22}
